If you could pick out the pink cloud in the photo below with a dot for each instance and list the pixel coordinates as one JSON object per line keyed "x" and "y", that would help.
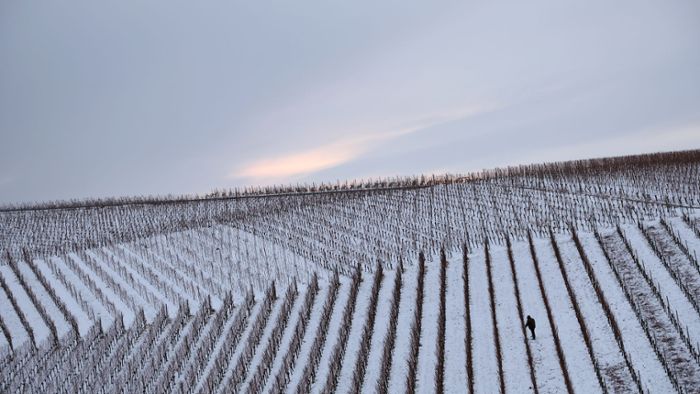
{"x": 341, "y": 151}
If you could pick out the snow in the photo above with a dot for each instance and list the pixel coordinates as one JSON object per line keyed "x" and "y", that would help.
{"x": 55, "y": 314}
{"x": 427, "y": 355}
{"x": 643, "y": 358}
{"x": 170, "y": 265}
{"x": 241, "y": 250}
{"x": 72, "y": 305}
{"x": 173, "y": 272}
{"x": 397, "y": 380}
{"x": 162, "y": 287}
{"x": 237, "y": 353}
{"x": 548, "y": 374}
{"x": 143, "y": 283}
{"x": 455, "y": 327}
{"x": 124, "y": 281}
{"x": 660, "y": 276}
{"x": 127, "y": 313}
{"x": 686, "y": 234}
{"x": 18, "y": 333}
{"x": 678, "y": 262}
{"x": 100, "y": 312}
{"x": 161, "y": 342}
{"x": 272, "y": 321}
{"x": 160, "y": 273}
{"x": 516, "y": 368}
{"x": 381, "y": 330}
{"x": 39, "y": 327}
{"x": 332, "y": 338}
{"x": 358, "y": 322}
{"x": 4, "y": 345}
{"x": 160, "y": 377}
{"x": 309, "y": 336}
{"x": 189, "y": 358}
{"x": 605, "y": 348}
{"x": 484, "y": 351}
{"x": 142, "y": 344}
{"x": 669, "y": 341}
{"x": 178, "y": 249}
{"x": 578, "y": 361}
{"x": 218, "y": 347}
{"x": 455, "y": 330}
{"x": 285, "y": 342}
{"x": 152, "y": 298}
{"x": 224, "y": 257}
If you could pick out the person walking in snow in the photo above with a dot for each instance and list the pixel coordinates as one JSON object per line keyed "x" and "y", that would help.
{"x": 530, "y": 325}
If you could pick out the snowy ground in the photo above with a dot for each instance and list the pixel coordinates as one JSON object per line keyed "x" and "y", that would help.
{"x": 455, "y": 331}
{"x": 517, "y": 371}
{"x": 207, "y": 349}
{"x": 548, "y": 373}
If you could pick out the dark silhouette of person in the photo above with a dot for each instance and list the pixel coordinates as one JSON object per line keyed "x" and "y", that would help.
{"x": 530, "y": 325}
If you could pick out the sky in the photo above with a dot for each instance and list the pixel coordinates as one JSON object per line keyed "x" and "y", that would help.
{"x": 154, "y": 97}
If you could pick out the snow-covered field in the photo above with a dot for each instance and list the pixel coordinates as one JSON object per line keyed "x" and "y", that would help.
{"x": 329, "y": 294}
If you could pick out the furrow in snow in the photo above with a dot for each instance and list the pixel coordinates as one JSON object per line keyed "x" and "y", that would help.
{"x": 643, "y": 358}
{"x": 397, "y": 380}
{"x": 18, "y": 334}
{"x": 677, "y": 300}
{"x": 381, "y": 328}
{"x": 516, "y": 368}
{"x": 308, "y": 340}
{"x": 669, "y": 342}
{"x": 333, "y": 331}
{"x": 353, "y": 343}
{"x": 275, "y": 319}
{"x": 485, "y": 364}
{"x": 547, "y": 370}
{"x": 427, "y": 356}
{"x": 128, "y": 313}
{"x": 41, "y": 330}
{"x": 72, "y": 305}
{"x": 62, "y": 325}
{"x": 578, "y": 361}
{"x": 613, "y": 368}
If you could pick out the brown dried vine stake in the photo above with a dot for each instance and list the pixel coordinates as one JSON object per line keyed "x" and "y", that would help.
{"x": 343, "y": 333}
{"x": 367, "y": 330}
{"x": 416, "y": 327}
{"x": 494, "y": 320}
{"x": 309, "y": 372}
{"x": 468, "y": 321}
{"x": 440, "y": 365}
{"x": 387, "y": 355}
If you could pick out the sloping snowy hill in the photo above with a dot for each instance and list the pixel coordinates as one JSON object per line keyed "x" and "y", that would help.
{"x": 422, "y": 286}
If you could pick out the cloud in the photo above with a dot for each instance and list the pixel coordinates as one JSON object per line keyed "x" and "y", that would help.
{"x": 6, "y": 180}
{"x": 343, "y": 150}
{"x": 660, "y": 139}
{"x": 300, "y": 163}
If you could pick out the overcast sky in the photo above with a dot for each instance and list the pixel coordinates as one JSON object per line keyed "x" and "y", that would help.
{"x": 110, "y": 98}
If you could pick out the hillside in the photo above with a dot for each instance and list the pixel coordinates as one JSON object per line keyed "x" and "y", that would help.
{"x": 405, "y": 285}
